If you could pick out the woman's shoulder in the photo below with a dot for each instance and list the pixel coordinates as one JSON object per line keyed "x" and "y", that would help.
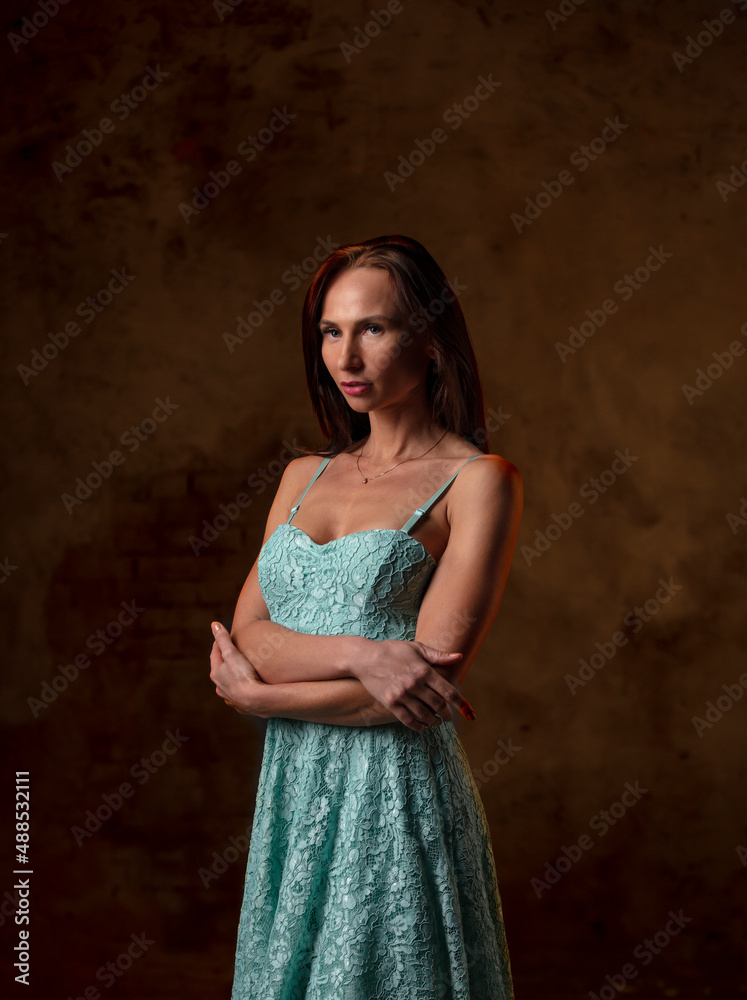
{"x": 487, "y": 465}
{"x": 489, "y": 473}
{"x": 487, "y": 490}
{"x": 300, "y": 469}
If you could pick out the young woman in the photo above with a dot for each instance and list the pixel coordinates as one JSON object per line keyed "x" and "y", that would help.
{"x": 371, "y": 873}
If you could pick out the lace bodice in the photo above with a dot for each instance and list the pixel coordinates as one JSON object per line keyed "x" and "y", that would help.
{"x": 369, "y": 583}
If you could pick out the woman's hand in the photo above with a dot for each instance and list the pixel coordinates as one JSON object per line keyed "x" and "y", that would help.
{"x": 236, "y": 681}
{"x": 404, "y": 677}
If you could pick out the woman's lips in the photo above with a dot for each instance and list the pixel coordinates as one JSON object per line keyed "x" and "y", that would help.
{"x": 355, "y": 389}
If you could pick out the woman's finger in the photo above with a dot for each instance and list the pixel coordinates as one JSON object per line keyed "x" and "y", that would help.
{"x": 431, "y": 708}
{"x": 422, "y": 711}
{"x": 451, "y": 694}
{"x": 447, "y": 691}
{"x": 222, "y": 638}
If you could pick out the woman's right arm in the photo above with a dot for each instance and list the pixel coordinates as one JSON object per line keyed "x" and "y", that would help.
{"x": 398, "y": 673}
{"x": 279, "y": 654}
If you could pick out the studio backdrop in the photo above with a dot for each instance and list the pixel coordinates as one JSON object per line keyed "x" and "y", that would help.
{"x": 174, "y": 175}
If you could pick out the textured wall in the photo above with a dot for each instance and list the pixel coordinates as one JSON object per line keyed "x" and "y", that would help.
{"x": 441, "y": 126}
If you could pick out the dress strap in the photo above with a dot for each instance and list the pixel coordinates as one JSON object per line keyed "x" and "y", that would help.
{"x": 314, "y": 478}
{"x": 419, "y": 511}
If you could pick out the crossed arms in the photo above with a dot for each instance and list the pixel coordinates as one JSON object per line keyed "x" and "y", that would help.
{"x": 265, "y": 669}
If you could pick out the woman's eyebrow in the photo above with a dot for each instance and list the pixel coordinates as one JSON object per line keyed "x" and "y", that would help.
{"x": 366, "y": 319}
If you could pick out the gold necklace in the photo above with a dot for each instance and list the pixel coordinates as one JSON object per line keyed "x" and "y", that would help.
{"x": 368, "y": 480}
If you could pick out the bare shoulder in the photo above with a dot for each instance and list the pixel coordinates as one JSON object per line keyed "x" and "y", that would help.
{"x": 489, "y": 472}
{"x": 487, "y": 468}
{"x": 296, "y": 477}
{"x": 490, "y": 484}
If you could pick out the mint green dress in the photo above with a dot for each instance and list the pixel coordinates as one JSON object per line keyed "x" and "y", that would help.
{"x": 370, "y": 873}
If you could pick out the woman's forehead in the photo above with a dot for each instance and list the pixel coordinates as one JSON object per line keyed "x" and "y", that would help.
{"x": 359, "y": 288}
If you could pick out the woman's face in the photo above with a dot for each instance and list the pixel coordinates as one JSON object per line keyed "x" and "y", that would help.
{"x": 365, "y": 340}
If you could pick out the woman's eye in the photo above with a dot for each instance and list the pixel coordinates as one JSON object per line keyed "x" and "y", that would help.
{"x": 372, "y": 328}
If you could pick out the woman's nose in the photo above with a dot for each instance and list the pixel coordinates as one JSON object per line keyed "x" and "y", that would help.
{"x": 348, "y": 353}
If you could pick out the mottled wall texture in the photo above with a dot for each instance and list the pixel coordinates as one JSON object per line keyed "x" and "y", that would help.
{"x": 174, "y": 173}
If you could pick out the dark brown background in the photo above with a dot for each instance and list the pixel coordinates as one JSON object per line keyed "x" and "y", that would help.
{"x": 561, "y": 423}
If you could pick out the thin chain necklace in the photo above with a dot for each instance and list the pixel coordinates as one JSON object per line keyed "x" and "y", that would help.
{"x": 368, "y": 480}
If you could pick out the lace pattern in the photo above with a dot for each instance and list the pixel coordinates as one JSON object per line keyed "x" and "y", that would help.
{"x": 370, "y": 873}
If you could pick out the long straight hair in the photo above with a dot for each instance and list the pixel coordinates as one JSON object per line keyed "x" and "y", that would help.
{"x": 426, "y": 302}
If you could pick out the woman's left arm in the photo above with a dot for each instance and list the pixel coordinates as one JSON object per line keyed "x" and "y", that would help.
{"x": 465, "y": 592}
{"x": 457, "y": 612}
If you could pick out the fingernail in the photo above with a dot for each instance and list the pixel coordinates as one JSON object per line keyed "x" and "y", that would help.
{"x": 216, "y": 627}
{"x": 470, "y": 714}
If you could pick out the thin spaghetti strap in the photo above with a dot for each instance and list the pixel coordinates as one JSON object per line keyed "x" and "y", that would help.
{"x": 419, "y": 511}
{"x": 314, "y": 478}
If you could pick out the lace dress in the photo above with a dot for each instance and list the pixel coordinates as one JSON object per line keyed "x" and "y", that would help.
{"x": 370, "y": 873}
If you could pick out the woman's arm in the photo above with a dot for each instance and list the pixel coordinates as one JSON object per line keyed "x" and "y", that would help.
{"x": 484, "y": 510}
{"x": 459, "y": 606}
{"x": 343, "y": 702}
{"x": 277, "y": 653}
{"x": 458, "y": 610}
{"x": 281, "y": 655}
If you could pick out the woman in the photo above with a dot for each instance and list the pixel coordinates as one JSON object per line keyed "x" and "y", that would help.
{"x": 370, "y": 873}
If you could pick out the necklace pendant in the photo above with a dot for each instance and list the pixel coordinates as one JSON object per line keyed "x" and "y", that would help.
{"x": 365, "y": 481}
